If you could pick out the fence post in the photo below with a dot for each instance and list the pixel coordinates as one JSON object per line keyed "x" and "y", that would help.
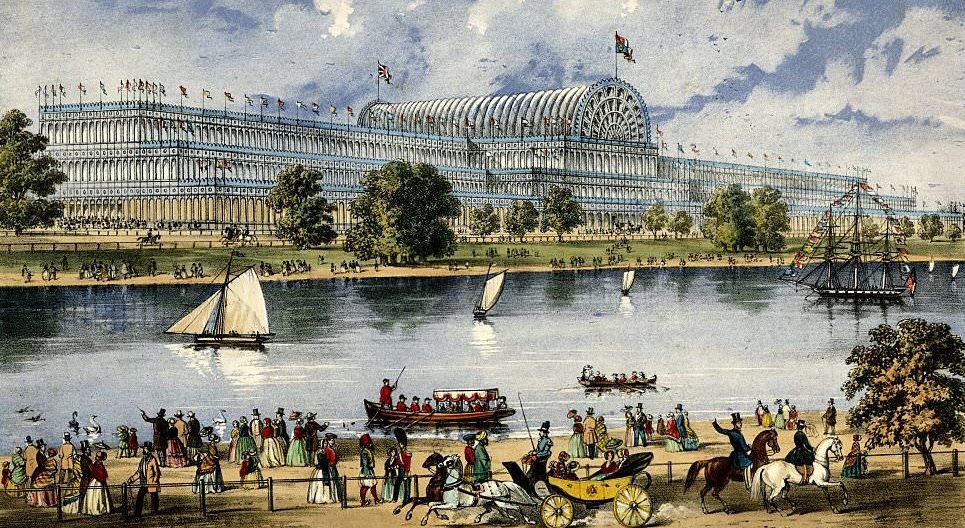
{"x": 904, "y": 464}
{"x": 669, "y": 471}
{"x": 204, "y": 507}
{"x": 415, "y": 483}
{"x": 954, "y": 462}
{"x": 271, "y": 495}
{"x": 124, "y": 497}
{"x": 60, "y": 504}
{"x": 344, "y": 492}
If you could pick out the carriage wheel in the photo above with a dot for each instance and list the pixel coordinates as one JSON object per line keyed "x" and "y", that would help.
{"x": 632, "y": 506}
{"x": 556, "y": 511}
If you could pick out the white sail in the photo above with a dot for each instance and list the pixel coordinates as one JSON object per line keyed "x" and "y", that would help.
{"x": 628, "y": 280}
{"x": 240, "y": 305}
{"x": 244, "y": 312}
{"x": 931, "y": 265}
{"x": 200, "y": 318}
{"x": 955, "y": 271}
{"x": 491, "y": 291}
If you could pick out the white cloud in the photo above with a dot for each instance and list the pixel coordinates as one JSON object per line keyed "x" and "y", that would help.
{"x": 340, "y": 12}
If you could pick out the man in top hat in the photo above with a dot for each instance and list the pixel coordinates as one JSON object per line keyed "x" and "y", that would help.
{"x": 66, "y": 456}
{"x": 759, "y": 412}
{"x": 312, "y": 428}
{"x": 181, "y": 426}
{"x": 482, "y": 465}
{"x": 195, "y": 442}
{"x": 148, "y": 478}
{"x": 830, "y": 418}
{"x": 740, "y": 456}
{"x": 589, "y": 433}
{"x": 469, "y": 453}
{"x": 639, "y": 427}
{"x": 255, "y": 426}
{"x": 542, "y": 453}
{"x": 802, "y": 456}
{"x": 31, "y": 459}
{"x": 282, "y": 426}
{"x": 160, "y": 423}
{"x": 385, "y": 393}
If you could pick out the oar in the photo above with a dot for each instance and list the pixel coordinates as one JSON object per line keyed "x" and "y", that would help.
{"x": 421, "y": 419}
{"x": 406, "y": 417}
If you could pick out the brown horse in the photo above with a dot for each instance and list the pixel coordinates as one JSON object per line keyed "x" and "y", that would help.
{"x": 718, "y": 471}
{"x": 433, "y": 489}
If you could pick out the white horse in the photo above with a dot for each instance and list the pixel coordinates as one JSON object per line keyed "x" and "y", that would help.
{"x": 775, "y": 479}
{"x": 489, "y": 495}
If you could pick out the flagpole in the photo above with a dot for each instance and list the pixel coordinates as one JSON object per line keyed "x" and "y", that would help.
{"x": 378, "y": 81}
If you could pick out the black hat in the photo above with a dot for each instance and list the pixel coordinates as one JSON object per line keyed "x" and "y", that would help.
{"x": 589, "y": 411}
{"x": 28, "y": 440}
{"x": 385, "y": 380}
{"x": 255, "y": 412}
{"x": 281, "y": 410}
{"x": 469, "y": 437}
{"x": 545, "y": 427}
{"x": 831, "y": 401}
{"x": 66, "y": 436}
{"x": 330, "y": 436}
{"x": 639, "y": 406}
{"x": 148, "y": 446}
{"x": 735, "y": 417}
{"x": 800, "y": 424}
{"x": 161, "y": 411}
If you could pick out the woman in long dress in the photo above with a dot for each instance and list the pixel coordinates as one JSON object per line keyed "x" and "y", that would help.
{"x": 392, "y": 472}
{"x": 672, "y": 443}
{"x": 233, "y": 447}
{"x": 767, "y": 421}
{"x": 246, "y": 443}
{"x": 577, "y": 447}
{"x": 297, "y": 455}
{"x": 603, "y": 440}
{"x": 323, "y": 487}
{"x": 852, "y": 463}
{"x": 18, "y": 473}
{"x": 250, "y": 471}
{"x": 97, "y": 498}
{"x": 177, "y": 457}
{"x": 207, "y": 475}
{"x": 792, "y": 416}
{"x": 71, "y": 483}
{"x": 690, "y": 439}
{"x": 779, "y": 421}
{"x": 46, "y": 483}
{"x": 272, "y": 453}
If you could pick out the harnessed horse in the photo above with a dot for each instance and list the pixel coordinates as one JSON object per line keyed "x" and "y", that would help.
{"x": 774, "y": 480}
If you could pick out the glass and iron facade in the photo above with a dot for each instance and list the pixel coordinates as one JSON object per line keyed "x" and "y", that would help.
{"x": 165, "y": 163}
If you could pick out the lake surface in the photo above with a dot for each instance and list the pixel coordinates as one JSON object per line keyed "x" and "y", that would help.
{"x": 718, "y": 340}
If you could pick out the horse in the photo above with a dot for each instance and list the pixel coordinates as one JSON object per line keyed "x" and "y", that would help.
{"x": 489, "y": 495}
{"x": 433, "y": 492}
{"x": 719, "y": 471}
{"x": 778, "y": 476}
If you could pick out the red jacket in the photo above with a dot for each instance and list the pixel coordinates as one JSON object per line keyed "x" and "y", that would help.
{"x": 401, "y": 407}
{"x": 470, "y": 455}
{"x": 405, "y": 460}
{"x": 385, "y": 395}
{"x": 414, "y": 406}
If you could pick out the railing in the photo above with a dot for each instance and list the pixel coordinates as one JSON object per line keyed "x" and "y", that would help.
{"x": 117, "y": 246}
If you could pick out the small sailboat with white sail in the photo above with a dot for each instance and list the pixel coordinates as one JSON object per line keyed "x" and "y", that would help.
{"x": 954, "y": 271}
{"x": 931, "y": 264}
{"x": 627, "y": 282}
{"x": 235, "y": 314}
{"x": 491, "y": 291}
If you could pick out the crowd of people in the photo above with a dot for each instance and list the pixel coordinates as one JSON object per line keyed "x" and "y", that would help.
{"x": 182, "y": 272}
{"x": 97, "y": 223}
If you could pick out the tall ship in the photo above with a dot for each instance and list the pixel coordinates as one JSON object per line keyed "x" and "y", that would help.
{"x": 851, "y": 255}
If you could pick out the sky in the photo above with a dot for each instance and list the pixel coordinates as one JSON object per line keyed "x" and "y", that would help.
{"x": 878, "y": 84}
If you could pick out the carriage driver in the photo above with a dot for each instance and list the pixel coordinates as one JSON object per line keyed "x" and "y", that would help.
{"x": 740, "y": 457}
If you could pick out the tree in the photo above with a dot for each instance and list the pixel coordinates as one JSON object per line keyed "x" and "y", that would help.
{"x": 681, "y": 223}
{"x": 954, "y": 233}
{"x": 521, "y": 219}
{"x": 930, "y": 226}
{"x": 27, "y": 176}
{"x": 907, "y": 226}
{"x": 484, "y": 221}
{"x": 870, "y": 228}
{"x": 403, "y": 209}
{"x": 913, "y": 392}
{"x": 771, "y": 220}
{"x": 729, "y": 218}
{"x": 561, "y": 213}
{"x": 655, "y": 218}
{"x": 304, "y": 218}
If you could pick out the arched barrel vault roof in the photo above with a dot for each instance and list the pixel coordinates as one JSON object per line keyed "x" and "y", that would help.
{"x": 609, "y": 109}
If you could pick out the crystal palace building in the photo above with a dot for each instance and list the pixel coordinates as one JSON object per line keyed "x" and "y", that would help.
{"x": 165, "y": 162}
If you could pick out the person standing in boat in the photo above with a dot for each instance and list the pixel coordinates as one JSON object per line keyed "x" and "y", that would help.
{"x": 482, "y": 465}
{"x": 589, "y": 433}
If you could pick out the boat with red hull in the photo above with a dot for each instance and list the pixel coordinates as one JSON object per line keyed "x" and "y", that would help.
{"x": 453, "y": 408}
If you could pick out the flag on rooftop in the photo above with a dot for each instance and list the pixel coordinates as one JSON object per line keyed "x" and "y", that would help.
{"x": 384, "y": 73}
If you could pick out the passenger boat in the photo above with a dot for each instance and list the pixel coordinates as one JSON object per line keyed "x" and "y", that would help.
{"x": 848, "y": 263}
{"x": 235, "y": 314}
{"x": 489, "y": 296}
{"x": 453, "y": 408}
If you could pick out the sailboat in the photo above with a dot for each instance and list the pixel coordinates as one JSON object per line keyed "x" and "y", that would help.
{"x": 931, "y": 264}
{"x": 492, "y": 289}
{"x": 627, "y": 282}
{"x": 954, "y": 271}
{"x": 236, "y": 314}
{"x": 850, "y": 265}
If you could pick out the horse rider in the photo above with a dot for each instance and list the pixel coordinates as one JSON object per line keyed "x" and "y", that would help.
{"x": 802, "y": 456}
{"x": 740, "y": 457}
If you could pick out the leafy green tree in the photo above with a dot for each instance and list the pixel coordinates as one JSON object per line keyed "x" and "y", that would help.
{"x": 870, "y": 228}
{"x": 912, "y": 392}
{"x": 484, "y": 221}
{"x": 954, "y": 233}
{"x": 403, "y": 209}
{"x": 729, "y": 218}
{"x": 771, "y": 220}
{"x": 681, "y": 223}
{"x": 561, "y": 213}
{"x": 27, "y": 176}
{"x": 907, "y": 226}
{"x": 521, "y": 219}
{"x": 303, "y": 216}
{"x": 655, "y": 218}
{"x": 930, "y": 226}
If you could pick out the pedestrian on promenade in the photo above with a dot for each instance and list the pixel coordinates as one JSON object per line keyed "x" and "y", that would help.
{"x": 148, "y": 478}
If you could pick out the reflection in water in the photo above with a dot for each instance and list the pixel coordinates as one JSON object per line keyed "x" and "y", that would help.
{"x": 244, "y": 369}
{"x": 196, "y": 359}
{"x": 483, "y": 339}
{"x": 561, "y": 289}
{"x": 626, "y": 306}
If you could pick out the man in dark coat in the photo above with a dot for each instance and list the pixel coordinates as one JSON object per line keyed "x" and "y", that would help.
{"x": 160, "y": 423}
{"x": 282, "y": 426}
{"x": 312, "y": 428}
{"x": 194, "y": 436}
{"x": 740, "y": 456}
{"x": 803, "y": 453}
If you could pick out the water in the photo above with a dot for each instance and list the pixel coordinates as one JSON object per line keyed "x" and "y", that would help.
{"x": 718, "y": 339}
